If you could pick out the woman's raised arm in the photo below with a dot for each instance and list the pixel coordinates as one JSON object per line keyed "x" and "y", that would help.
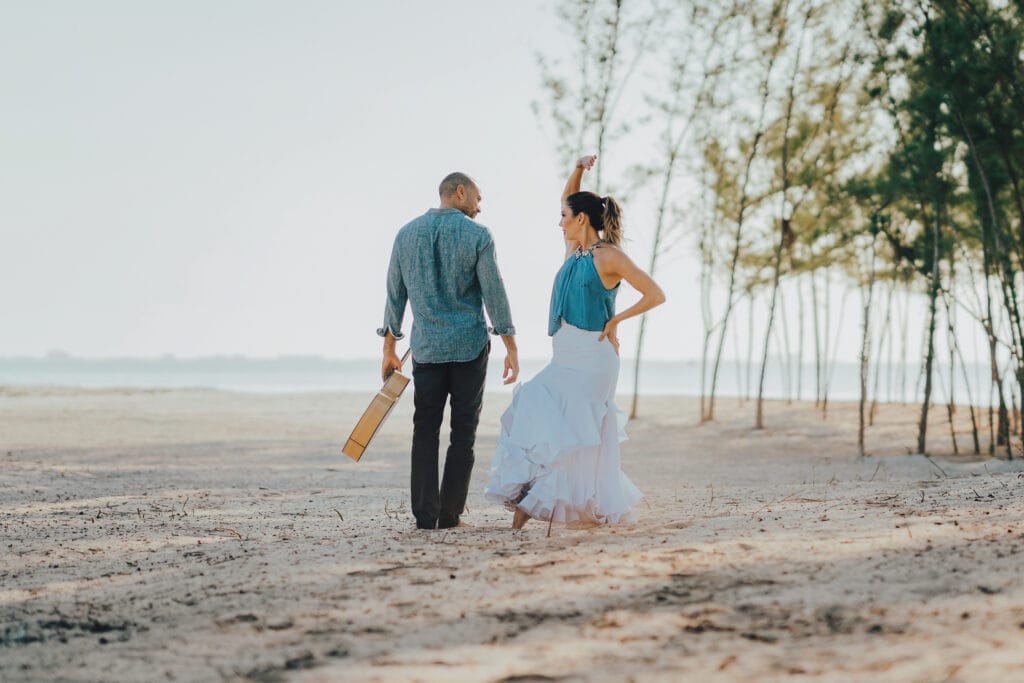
{"x": 584, "y": 163}
{"x": 572, "y": 186}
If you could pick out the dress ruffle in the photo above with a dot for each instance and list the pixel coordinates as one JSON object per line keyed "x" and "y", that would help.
{"x": 558, "y": 452}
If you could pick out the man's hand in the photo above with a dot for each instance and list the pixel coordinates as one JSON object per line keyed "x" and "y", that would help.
{"x": 391, "y": 363}
{"x": 511, "y": 373}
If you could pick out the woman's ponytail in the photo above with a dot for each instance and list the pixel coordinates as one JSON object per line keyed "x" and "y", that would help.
{"x": 604, "y": 213}
{"x": 612, "y": 220}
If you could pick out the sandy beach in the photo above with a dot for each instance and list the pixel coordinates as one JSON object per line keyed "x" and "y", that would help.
{"x": 211, "y": 536}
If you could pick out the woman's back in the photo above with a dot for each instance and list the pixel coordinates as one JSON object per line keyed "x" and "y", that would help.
{"x": 579, "y": 297}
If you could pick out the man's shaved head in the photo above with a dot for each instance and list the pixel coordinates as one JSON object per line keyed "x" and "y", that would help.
{"x": 452, "y": 181}
{"x": 459, "y": 191}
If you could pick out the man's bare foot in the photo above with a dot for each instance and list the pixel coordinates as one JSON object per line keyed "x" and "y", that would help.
{"x": 463, "y": 524}
{"x": 519, "y": 519}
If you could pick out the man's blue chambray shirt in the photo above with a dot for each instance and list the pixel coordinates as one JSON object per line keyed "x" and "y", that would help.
{"x": 443, "y": 264}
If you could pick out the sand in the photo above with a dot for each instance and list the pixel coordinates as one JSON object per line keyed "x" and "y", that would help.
{"x": 210, "y": 536}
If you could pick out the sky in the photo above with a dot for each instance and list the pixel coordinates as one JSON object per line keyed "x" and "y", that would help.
{"x": 197, "y": 178}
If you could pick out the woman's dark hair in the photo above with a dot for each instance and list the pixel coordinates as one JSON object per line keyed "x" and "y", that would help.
{"x": 604, "y": 213}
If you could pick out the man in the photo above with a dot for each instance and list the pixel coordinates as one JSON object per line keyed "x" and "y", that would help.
{"x": 443, "y": 264}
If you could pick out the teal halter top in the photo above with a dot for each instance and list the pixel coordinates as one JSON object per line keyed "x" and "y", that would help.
{"x": 579, "y": 297}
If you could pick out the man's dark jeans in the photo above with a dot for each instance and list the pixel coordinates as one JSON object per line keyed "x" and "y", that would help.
{"x": 433, "y": 383}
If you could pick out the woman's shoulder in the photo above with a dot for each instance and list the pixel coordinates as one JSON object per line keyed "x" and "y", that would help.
{"x": 611, "y": 261}
{"x": 609, "y": 253}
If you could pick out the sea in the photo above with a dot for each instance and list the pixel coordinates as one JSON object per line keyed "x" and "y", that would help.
{"x": 658, "y": 377}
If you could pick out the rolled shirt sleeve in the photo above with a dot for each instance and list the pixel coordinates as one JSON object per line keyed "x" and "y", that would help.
{"x": 394, "y": 309}
{"x": 493, "y": 290}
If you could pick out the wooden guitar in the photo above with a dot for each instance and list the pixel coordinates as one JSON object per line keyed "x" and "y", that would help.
{"x": 378, "y": 410}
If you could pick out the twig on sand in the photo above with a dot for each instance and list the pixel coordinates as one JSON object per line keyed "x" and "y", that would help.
{"x": 227, "y": 530}
{"x": 888, "y": 498}
{"x": 929, "y": 459}
{"x": 875, "y": 472}
{"x": 388, "y": 512}
{"x": 1001, "y": 482}
{"x": 187, "y": 498}
{"x": 551, "y": 520}
{"x": 775, "y": 502}
{"x": 339, "y": 514}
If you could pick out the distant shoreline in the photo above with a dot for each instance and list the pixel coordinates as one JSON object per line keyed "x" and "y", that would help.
{"x": 317, "y": 374}
{"x": 495, "y": 391}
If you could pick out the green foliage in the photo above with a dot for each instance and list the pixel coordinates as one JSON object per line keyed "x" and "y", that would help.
{"x": 833, "y": 129}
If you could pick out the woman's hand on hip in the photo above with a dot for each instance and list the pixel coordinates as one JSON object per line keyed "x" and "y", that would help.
{"x": 611, "y": 333}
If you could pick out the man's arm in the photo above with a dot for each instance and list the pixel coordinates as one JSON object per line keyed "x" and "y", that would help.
{"x": 511, "y": 372}
{"x": 394, "y": 312}
{"x": 496, "y": 302}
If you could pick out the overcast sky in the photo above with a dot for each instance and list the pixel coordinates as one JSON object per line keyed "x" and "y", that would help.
{"x": 227, "y": 177}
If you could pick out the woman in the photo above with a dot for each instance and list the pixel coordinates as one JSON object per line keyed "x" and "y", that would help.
{"x": 558, "y": 453}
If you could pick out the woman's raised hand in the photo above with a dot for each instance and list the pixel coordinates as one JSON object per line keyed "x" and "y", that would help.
{"x": 586, "y": 162}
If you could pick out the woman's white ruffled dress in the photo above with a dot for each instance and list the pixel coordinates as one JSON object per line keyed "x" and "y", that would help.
{"x": 558, "y": 452}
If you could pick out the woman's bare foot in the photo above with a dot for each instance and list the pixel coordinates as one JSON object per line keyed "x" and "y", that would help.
{"x": 519, "y": 519}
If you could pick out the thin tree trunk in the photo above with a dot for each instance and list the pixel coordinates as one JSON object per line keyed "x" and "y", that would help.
{"x": 710, "y": 415}
{"x": 1003, "y": 435}
{"x": 674, "y": 144}
{"x": 951, "y": 405}
{"x": 865, "y": 350}
{"x": 826, "y": 341}
{"x": 817, "y": 339}
{"x": 833, "y": 358}
{"x": 1014, "y": 414}
{"x": 884, "y": 338}
{"x": 800, "y": 341}
{"x": 741, "y": 214}
{"x": 967, "y": 386}
{"x": 995, "y": 386}
{"x": 703, "y": 369}
{"x": 636, "y": 362}
{"x": 889, "y": 349}
{"x": 954, "y": 348}
{"x": 658, "y": 232}
{"x": 933, "y": 294}
{"x": 759, "y": 412}
{"x": 749, "y": 364}
{"x": 738, "y": 364}
{"x": 1007, "y": 280}
{"x": 903, "y": 346}
{"x": 787, "y": 353}
{"x": 706, "y": 273}
{"x": 609, "y": 82}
